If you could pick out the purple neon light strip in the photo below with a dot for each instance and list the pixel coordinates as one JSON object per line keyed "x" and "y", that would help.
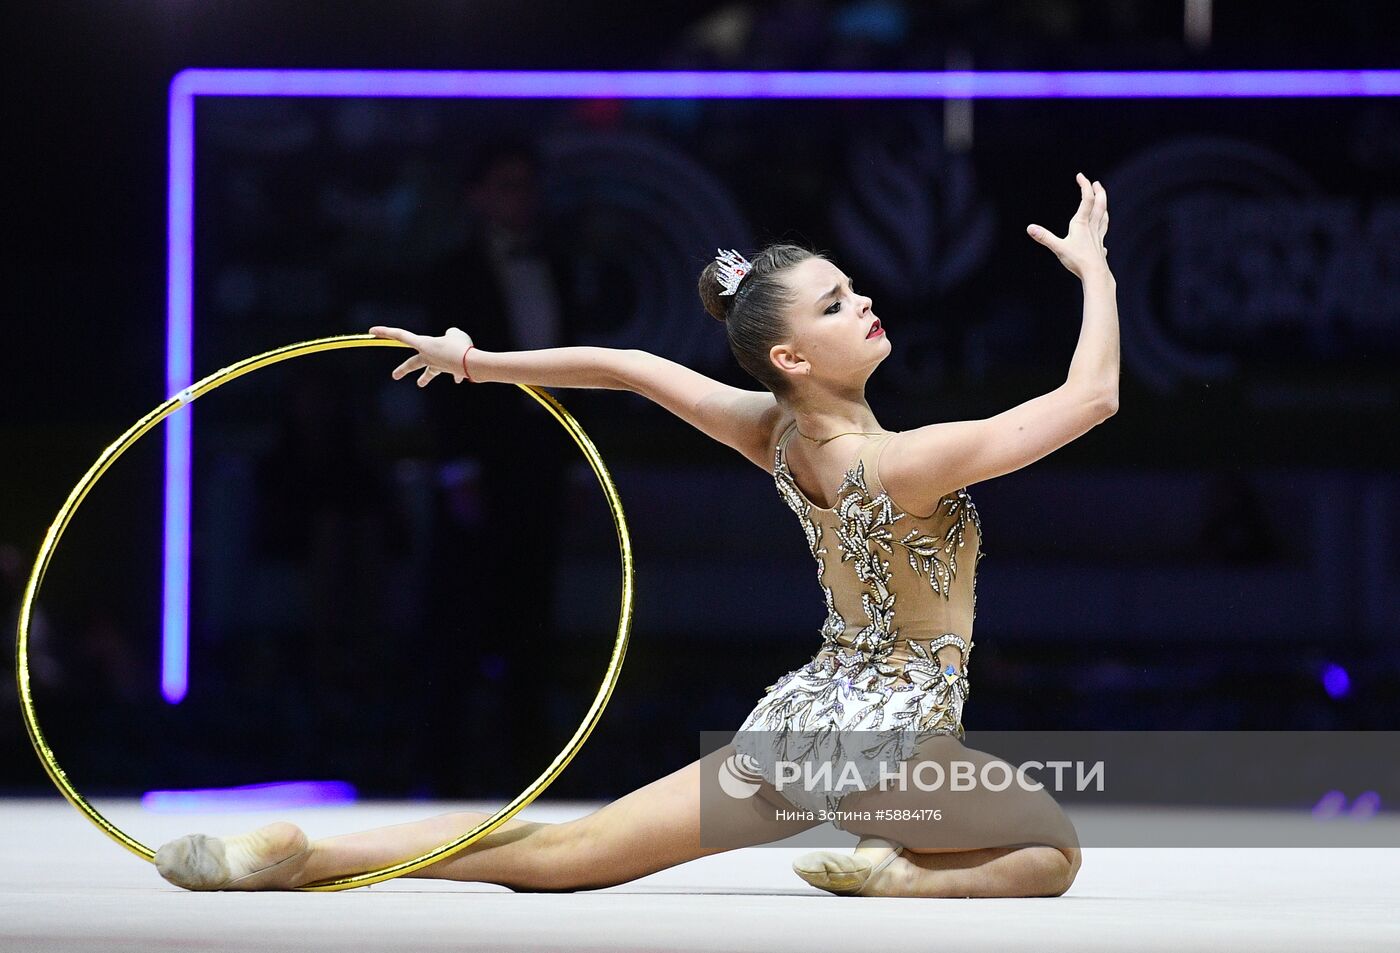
{"x": 546, "y": 84}
{"x": 250, "y": 797}
{"x": 179, "y": 366}
{"x": 593, "y": 85}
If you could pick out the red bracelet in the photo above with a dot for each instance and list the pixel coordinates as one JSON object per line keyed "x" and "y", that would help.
{"x": 464, "y": 362}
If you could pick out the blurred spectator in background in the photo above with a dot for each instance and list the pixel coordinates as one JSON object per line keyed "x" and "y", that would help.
{"x": 320, "y": 506}
{"x": 869, "y": 34}
{"x": 492, "y": 588}
{"x": 43, "y": 665}
{"x": 94, "y": 696}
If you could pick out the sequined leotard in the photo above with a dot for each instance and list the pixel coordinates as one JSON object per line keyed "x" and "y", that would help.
{"x": 898, "y": 587}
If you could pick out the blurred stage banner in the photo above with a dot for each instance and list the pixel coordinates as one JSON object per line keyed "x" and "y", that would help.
{"x": 1256, "y": 242}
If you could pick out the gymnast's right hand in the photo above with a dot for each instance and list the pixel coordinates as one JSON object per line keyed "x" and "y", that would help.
{"x": 436, "y": 355}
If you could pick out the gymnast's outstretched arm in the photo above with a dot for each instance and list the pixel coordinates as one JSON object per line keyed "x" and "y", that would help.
{"x": 921, "y": 466}
{"x": 742, "y": 419}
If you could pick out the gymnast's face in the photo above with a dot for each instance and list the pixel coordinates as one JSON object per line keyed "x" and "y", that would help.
{"x": 836, "y": 336}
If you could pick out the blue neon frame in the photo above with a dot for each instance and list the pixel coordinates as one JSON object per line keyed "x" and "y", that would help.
{"x": 190, "y": 83}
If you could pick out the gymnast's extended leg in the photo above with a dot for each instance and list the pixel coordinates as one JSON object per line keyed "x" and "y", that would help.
{"x": 653, "y": 828}
{"x": 657, "y": 827}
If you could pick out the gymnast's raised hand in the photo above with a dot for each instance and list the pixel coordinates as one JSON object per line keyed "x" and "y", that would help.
{"x": 446, "y": 354}
{"x": 1082, "y": 249}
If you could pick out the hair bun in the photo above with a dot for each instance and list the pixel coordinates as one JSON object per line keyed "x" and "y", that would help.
{"x": 716, "y": 304}
{"x": 757, "y": 317}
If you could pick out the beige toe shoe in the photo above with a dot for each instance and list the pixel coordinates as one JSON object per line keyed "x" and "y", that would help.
{"x": 844, "y": 874}
{"x": 253, "y": 861}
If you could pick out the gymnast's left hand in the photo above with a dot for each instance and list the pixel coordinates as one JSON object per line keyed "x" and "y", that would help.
{"x": 436, "y": 355}
{"x": 1082, "y": 250}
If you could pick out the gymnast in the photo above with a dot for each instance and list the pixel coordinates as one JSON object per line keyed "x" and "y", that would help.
{"x": 896, "y": 539}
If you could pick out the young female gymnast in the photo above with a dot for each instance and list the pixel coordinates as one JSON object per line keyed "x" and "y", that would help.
{"x": 898, "y": 631}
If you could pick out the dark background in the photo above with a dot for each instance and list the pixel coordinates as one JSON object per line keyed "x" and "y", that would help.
{"x": 1212, "y": 557}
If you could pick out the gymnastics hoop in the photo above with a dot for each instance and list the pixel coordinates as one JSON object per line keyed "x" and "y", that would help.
{"x": 204, "y": 386}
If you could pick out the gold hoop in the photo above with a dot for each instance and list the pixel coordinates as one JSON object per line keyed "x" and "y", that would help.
{"x": 204, "y": 386}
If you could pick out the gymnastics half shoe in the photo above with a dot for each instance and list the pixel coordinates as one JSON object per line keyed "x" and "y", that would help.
{"x": 264, "y": 859}
{"x": 845, "y": 874}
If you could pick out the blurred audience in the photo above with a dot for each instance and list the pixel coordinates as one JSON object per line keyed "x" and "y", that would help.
{"x": 492, "y": 595}
{"x": 321, "y": 511}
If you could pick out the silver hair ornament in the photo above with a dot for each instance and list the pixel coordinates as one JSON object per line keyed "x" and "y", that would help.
{"x": 732, "y": 269}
